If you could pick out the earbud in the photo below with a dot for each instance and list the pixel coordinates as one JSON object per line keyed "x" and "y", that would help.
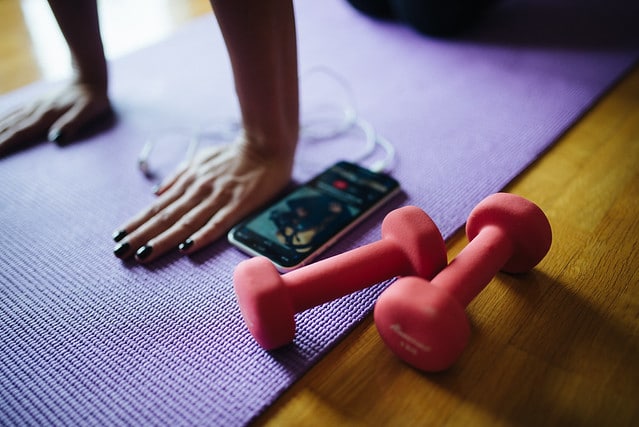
{"x": 423, "y": 322}
{"x": 411, "y": 244}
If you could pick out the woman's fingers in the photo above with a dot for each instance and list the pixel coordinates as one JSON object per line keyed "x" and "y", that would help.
{"x": 215, "y": 228}
{"x": 181, "y": 231}
{"x": 84, "y": 111}
{"x": 12, "y": 117}
{"x": 155, "y": 220}
{"x": 57, "y": 116}
{"x": 169, "y": 197}
{"x": 173, "y": 225}
{"x": 217, "y": 189}
{"x": 24, "y": 125}
{"x": 145, "y": 235}
{"x": 171, "y": 180}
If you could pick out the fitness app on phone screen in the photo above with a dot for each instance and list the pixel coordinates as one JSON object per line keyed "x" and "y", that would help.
{"x": 298, "y": 227}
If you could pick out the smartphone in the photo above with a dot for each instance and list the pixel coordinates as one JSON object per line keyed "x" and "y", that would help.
{"x": 295, "y": 229}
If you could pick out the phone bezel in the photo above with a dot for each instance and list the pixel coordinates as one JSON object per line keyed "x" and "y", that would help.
{"x": 263, "y": 250}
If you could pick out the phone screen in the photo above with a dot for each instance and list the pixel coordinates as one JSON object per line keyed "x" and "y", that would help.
{"x": 298, "y": 227}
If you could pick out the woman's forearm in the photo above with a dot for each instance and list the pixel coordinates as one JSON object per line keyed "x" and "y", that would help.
{"x": 261, "y": 41}
{"x": 79, "y": 24}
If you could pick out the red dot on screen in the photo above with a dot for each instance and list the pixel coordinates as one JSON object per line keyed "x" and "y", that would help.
{"x": 340, "y": 184}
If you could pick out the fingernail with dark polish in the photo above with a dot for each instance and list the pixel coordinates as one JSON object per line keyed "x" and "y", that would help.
{"x": 121, "y": 249}
{"x": 144, "y": 252}
{"x": 184, "y": 246}
{"x": 55, "y": 136}
{"x": 119, "y": 235}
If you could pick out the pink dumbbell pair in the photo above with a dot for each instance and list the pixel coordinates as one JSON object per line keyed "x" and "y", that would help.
{"x": 421, "y": 315}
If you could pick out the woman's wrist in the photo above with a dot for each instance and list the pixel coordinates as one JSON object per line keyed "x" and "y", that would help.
{"x": 275, "y": 148}
{"x": 93, "y": 75}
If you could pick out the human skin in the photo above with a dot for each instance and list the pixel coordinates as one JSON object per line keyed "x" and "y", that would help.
{"x": 61, "y": 114}
{"x": 221, "y": 185}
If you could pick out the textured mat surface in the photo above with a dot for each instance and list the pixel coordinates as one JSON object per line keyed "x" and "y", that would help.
{"x": 88, "y": 340}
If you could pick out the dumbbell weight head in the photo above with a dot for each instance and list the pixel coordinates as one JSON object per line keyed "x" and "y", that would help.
{"x": 524, "y": 222}
{"x": 419, "y": 239}
{"x": 266, "y": 306}
{"x": 423, "y": 325}
{"x": 424, "y": 322}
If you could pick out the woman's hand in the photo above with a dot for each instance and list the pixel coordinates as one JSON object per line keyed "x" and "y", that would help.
{"x": 204, "y": 199}
{"x": 58, "y": 116}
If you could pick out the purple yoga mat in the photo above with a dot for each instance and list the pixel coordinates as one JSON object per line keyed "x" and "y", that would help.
{"x": 86, "y": 339}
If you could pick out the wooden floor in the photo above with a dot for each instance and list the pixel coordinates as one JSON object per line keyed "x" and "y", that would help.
{"x": 559, "y": 346}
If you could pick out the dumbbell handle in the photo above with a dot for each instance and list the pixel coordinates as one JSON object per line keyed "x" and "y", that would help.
{"x": 342, "y": 274}
{"x": 475, "y": 266}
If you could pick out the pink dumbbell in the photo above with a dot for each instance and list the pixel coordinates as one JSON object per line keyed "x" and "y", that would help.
{"x": 411, "y": 244}
{"x": 424, "y": 323}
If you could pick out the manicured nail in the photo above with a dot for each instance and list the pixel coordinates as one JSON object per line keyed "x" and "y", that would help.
{"x": 55, "y": 136}
{"x": 144, "y": 252}
{"x": 119, "y": 235}
{"x": 121, "y": 249}
{"x": 156, "y": 188}
{"x": 184, "y": 246}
